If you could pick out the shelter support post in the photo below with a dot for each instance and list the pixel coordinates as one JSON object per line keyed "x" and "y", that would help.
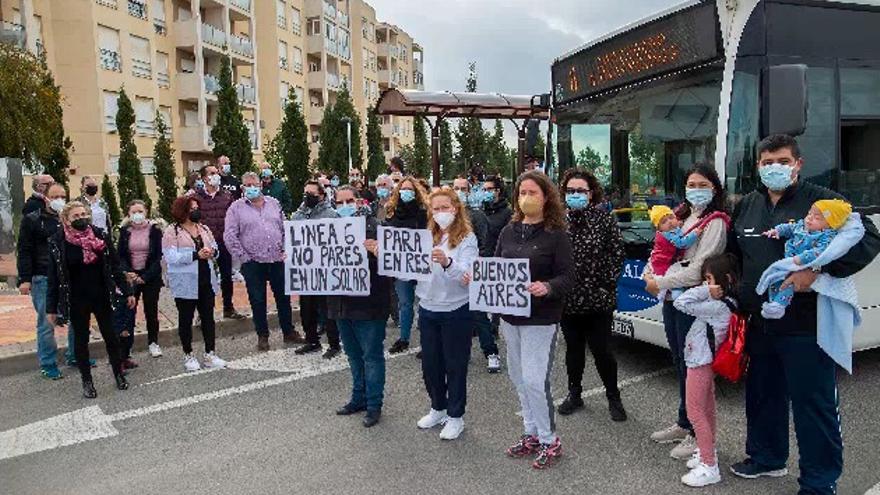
{"x": 435, "y": 150}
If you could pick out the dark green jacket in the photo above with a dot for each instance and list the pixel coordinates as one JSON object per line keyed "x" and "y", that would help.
{"x": 278, "y": 189}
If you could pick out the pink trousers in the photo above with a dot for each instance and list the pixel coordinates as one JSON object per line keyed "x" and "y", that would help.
{"x": 700, "y": 397}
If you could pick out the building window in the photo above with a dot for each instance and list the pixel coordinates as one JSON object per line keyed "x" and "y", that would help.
{"x": 280, "y": 9}
{"x": 165, "y": 112}
{"x": 386, "y": 144}
{"x": 137, "y": 8}
{"x": 145, "y": 124}
{"x": 284, "y": 92}
{"x": 159, "y": 17}
{"x": 313, "y": 26}
{"x": 140, "y": 57}
{"x": 163, "y": 77}
{"x": 113, "y": 164}
{"x": 297, "y": 60}
{"x": 300, "y": 94}
{"x": 282, "y": 55}
{"x": 296, "y": 21}
{"x": 148, "y": 167}
{"x": 110, "y": 108}
{"x": 108, "y": 47}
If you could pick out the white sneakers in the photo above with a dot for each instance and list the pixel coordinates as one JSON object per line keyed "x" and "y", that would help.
{"x": 452, "y": 429}
{"x": 190, "y": 363}
{"x": 212, "y": 361}
{"x": 685, "y": 449}
{"x": 155, "y": 350}
{"x": 702, "y": 475}
{"x": 494, "y": 365}
{"x": 432, "y": 419}
{"x": 672, "y": 434}
{"x": 695, "y": 460}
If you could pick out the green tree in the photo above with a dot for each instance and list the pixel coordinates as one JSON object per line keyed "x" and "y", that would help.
{"x": 407, "y": 154}
{"x": 108, "y": 192}
{"x": 600, "y": 166}
{"x": 421, "y": 163}
{"x": 292, "y": 146}
{"x": 447, "y": 152}
{"x": 333, "y": 151}
{"x": 230, "y": 135}
{"x": 646, "y": 161}
{"x": 163, "y": 159}
{"x": 375, "y": 153}
{"x": 497, "y": 150}
{"x": 540, "y": 147}
{"x": 470, "y": 136}
{"x": 131, "y": 183}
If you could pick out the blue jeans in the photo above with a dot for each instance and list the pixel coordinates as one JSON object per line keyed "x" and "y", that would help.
{"x": 363, "y": 344}
{"x": 483, "y": 326}
{"x": 406, "y": 296}
{"x": 446, "y": 351}
{"x": 677, "y": 325}
{"x": 256, "y": 275}
{"x": 47, "y": 349}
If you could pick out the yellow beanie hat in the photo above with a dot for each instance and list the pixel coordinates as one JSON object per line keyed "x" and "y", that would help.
{"x": 835, "y": 211}
{"x": 657, "y": 213}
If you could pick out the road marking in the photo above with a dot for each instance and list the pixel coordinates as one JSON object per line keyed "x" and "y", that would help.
{"x": 91, "y": 423}
{"x": 874, "y": 491}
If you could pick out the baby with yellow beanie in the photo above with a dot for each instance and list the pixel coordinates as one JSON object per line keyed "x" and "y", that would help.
{"x": 669, "y": 240}
{"x": 806, "y": 239}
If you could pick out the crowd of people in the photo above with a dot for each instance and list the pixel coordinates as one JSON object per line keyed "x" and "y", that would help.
{"x": 705, "y": 265}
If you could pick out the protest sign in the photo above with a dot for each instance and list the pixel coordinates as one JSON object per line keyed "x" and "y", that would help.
{"x": 500, "y": 286}
{"x": 405, "y": 254}
{"x": 326, "y": 257}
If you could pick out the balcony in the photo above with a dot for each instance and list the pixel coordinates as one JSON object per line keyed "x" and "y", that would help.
{"x": 213, "y": 36}
{"x": 141, "y": 68}
{"x": 188, "y": 86}
{"x": 12, "y": 33}
{"x": 145, "y": 127}
{"x": 329, "y": 11}
{"x": 185, "y": 33}
{"x": 391, "y": 130}
{"x": 389, "y": 77}
{"x": 195, "y": 139}
{"x": 212, "y": 84}
{"x": 110, "y": 60}
{"x": 137, "y": 8}
{"x": 244, "y": 5}
{"x": 316, "y": 114}
{"x": 344, "y": 52}
{"x": 246, "y": 94}
{"x": 242, "y": 46}
{"x": 163, "y": 79}
{"x": 343, "y": 20}
{"x": 388, "y": 50}
{"x": 160, "y": 27}
{"x": 418, "y": 65}
{"x": 334, "y": 83}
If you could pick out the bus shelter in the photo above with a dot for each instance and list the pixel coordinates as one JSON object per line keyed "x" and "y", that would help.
{"x": 518, "y": 109}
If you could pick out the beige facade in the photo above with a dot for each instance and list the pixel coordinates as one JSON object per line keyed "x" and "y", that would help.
{"x": 166, "y": 54}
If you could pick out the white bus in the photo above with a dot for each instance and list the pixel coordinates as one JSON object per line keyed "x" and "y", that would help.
{"x": 704, "y": 82}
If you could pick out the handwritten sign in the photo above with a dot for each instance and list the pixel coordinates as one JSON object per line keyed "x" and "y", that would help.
{"x": 326, "y": 257}
{"x": 405, "y": 254}
{"x": 499, "y": 285}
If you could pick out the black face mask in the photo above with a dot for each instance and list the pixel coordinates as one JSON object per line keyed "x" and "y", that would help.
{"x": 91, "y": 190}
{"x": 312, "y": 200}
{"x": 80, "y": 224}
{"x": 195, "y": 215}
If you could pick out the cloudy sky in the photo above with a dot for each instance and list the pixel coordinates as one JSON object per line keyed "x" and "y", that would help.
{"x": 513, "y": 41}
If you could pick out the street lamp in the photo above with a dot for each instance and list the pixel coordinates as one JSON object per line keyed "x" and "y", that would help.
{"x": 347, "y": 121}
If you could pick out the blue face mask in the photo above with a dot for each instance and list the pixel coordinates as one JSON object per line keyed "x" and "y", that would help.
{"x": 407, "y": 195}
{"x": 776, "y": 176}
{"x": 488, "y": 196}
{"x": 252, "y": 192}
{"x": 334, "y": 182}
{"x": 577, "y": 201}
{"x": 462, "y": 196}
{"x": 346, "y": 210}
{"x": 227, "y": 168}
{"x": 382, "y": 192}
{"x": 200, "y": 184}
{"x": 266, "y": 173}
{"x": 699, "y": 197}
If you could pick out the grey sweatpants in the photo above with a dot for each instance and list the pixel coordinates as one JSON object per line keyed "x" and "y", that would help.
{"x": 530, "y": 351}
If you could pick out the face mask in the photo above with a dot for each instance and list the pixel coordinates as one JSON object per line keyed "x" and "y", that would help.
{"x": 57, "y": 204}
{"x": 382, "y": 192}
{"x": 195, "y": 216}
{"x": 354, "y": 178}
{"x": 776, "y": 176}
{"x": 407, "y": 195}
{"x": 530, "y": 205}
{"x": 312, "y": 200}
{"x": 91, "y": 190}
{"x": 80, "y": 224}
{"x": 462, "y": 196}
{"x": 252, "y": 192}
{"x": 266, "y": 173}
{"x": 227, "y": 168}
{"x": 334, "y": 182}
{"x": 577, "y": 201}
{"x": 699, "y": 197}
{"x": 214, "y": 180}
{"x": 138, "y": 218}
{"x": 346, "y": 210}
{"x": 488, "y": 196}
{"x": 444, "y": 219}
{"x": 200, "y": 184}
{"x": 475, "y": 199}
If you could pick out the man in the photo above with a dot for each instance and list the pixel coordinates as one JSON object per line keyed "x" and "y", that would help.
{"x": 395, "y": 166}
{"x": 275, "y": 188}
{"x": 228, "y": 182}
{"x": 213, "y": 203}
{"x": 33, "y": 267}
{"x": 533, "y": 164}
{"x": 37, "y": 201}
{"x": 96, "y": 204}
{"x": 481, "y": 321}
{"x": 313, "y": 309}
{"x": 355, "y": 177}
{"x": 787, "y": 365}
{"x": 384, "y": 186}
{"x": 254, "y": 236}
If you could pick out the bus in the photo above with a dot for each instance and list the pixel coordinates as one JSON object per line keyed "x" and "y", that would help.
{"x": 703, "y": 82}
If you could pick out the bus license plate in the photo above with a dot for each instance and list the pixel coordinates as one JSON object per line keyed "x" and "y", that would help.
{"x": 623, "y": 327}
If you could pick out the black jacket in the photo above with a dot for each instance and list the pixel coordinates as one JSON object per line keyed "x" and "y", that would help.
{"x": 480, "y": 224}
{"x": 33, "y": 203}
{"x": 377, "y": 305}
{"x": 408, "y": 216}
{"x": 549, "y": 254}
{"x": 58, "y": 294}
{"x": 232, "y": 185}
{"x": 33, "y": 243}
{"x": 756, "y": 214}
{"x": 152, "y": 272}
{"x": 597, "y": 249}
{"x": 498, "y": 215}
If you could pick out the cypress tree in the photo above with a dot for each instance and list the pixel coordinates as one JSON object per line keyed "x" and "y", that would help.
{"x": 421, "y": 164}
{"x": 447, "y": 155}
{"x": 333, "y": 154}
{"x": 470, "y": 136}
{"x": 292, "y": 146}
{"x": 230, "y": 135}
{"x": 165, "y": 175}
{"x": 375, "y": 153}
{"x": 131, "y": 183}
{"x": 108, "y": 192}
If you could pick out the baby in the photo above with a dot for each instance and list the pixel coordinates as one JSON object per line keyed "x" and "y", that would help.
{"x": 806, "y": 239}
{"x": 669, "y": 238}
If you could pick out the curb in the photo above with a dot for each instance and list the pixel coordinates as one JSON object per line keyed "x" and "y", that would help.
{"x": 27, "y": 361}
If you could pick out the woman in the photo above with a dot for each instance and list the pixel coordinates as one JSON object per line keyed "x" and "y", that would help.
{"x": 190, "y": 250}
{"x": 407, "y": 208}
{"x": 537, "y": 232}
{"x": 361, "y": 322}
{"x": 444, "y": 317}
{"x": 597, "y": 250}
{"x": 704, "y": 195}
{"x": 83, "y": 280}
{"x": 140, "y": 256}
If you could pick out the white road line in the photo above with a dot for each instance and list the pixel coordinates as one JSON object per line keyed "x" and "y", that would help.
{"x": 875, "y": 490}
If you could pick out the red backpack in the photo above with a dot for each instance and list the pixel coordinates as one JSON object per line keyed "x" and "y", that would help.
{"x": 731, "y": 360}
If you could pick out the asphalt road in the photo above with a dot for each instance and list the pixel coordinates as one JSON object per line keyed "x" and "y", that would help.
{"x": 267, "y": 426}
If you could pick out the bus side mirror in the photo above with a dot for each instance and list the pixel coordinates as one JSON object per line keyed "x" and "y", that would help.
{"x": 785, "y": 97}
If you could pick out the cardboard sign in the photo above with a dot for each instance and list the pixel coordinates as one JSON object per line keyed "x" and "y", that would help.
{"x": 405, "y": 254}
{"x": 500, "y": 286}
{"x": 326, "y": 257}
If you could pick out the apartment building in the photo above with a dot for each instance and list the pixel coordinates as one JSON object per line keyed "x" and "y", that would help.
{"x": 167, "y": 53}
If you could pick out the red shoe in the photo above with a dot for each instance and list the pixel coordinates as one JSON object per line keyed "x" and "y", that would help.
{"x": 548, "y": 455}
{"x": 527, "y": 445}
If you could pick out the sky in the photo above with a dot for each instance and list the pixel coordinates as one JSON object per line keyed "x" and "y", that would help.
{"x": 513, "y": 42}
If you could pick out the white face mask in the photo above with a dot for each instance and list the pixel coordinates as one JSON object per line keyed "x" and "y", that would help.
{"x": 214, "y": 180}
{"x": 444, "y": 219}
{"x": 138, "y": 218}
{"x": 57, "y": 205}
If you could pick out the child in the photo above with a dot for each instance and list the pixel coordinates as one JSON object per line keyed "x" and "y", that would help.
{"x": 807, "y": 239}
{"x": 711, "y": 305}
{"x": 669, "y": 238}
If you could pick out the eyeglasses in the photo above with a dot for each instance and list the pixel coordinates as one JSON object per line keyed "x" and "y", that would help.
{"x": 576, "y": 191}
